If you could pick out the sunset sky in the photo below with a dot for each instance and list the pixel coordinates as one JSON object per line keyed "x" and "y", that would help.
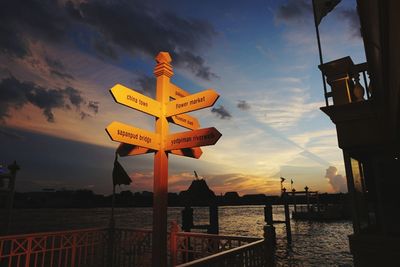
{"x": 58, "y": 60}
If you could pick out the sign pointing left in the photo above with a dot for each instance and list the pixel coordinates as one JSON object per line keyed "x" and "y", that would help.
{"x": 130, "y": 98}
{"x": 127, "y": 134}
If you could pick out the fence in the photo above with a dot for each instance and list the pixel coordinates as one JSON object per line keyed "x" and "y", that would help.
{"x": 126, "y": 247}
{"x": 68, "y": 248}
{"x": 191, "y": 246}
{"x": 249, "y": 255}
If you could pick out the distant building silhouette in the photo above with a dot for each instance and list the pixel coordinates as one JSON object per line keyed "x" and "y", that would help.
{"x": 198, "y": 194}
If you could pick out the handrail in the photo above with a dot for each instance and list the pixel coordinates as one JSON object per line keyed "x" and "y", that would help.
{"x": 124, "y": 247}
{"x": 229, "y": 237}
{"x": 215, "y": 258}
{"x": 18, "y": 236}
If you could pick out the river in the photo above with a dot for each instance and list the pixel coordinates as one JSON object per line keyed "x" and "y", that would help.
{"x": 314, "y": 243}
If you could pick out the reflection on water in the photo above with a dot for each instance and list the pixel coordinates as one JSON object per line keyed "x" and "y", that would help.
{"x": 314, "y": 243}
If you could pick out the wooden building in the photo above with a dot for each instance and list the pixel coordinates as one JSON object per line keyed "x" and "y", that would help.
{"x": 364, "y": 105}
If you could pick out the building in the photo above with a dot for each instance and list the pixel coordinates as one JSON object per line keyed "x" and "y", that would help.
{"x": 363, "y": 102}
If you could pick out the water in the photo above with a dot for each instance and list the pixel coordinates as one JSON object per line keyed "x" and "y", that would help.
{"x": 314, "y": 243}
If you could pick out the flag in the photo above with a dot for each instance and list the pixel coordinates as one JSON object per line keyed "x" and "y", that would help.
{"x": 282, "y": 179}
{"x": 119, "y": 174}
{"x": 322, "y": 8}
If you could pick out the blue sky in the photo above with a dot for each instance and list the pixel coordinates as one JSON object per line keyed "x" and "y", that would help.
{"x": 58, "y": 61}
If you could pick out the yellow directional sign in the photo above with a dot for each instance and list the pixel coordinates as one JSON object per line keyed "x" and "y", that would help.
{"x": 193, "y": 102}
{"x": 135, "y": 100}
{"x": 124, "y": 133}
{"x": 186, "y": 121}
{"x": 131, "y": 150}
{"x": 176, "y": 92}
{"x": 194, "y": 152}
{"x": 195, "y": 138}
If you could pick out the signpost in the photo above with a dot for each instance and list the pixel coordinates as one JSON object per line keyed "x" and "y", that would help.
{"x": 130, "y": 98}
{"x": 186, "y": 121}
{"x": 204, "y": 99}
{"x": 176, "y": 92}
{"x": 131, "y": 135}
{"x": 196, "y": 138}
{"x": 135, "y": 141}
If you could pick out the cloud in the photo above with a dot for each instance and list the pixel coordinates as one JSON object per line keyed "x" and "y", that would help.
{"x": 353, "y": 21}
{"x": 147, "y": 84}
{"x": 221, "y": 112}
{"x": 94, "y": 106}
{"x": 243, "y": 105}
{"x": 337, "y": 181}
{"x": 16, "y": 94}
{"x": 283, "y": 109}
{"x": 294, "y": 12}
{"x": 9, "y": 134}
{"x": 57, "y": 69}
{"x": 120, "y": 24}
{"x": 111, "y": 26}
{"x": 22, "y": 21}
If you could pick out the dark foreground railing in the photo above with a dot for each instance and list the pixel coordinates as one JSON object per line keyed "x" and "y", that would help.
{"x": 68, "y": 248}
{"x": 100, "y": 247}
{"x": 249, "y": 255}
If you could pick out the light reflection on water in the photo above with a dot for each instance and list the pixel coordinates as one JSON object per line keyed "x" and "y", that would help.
{"x": 314, "y": 243}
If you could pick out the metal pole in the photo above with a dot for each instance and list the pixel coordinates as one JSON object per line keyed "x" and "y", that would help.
{"x": 163, "y": 72}
{"x": 11, "y": 187}
{"x": 320, "y": 53}
{"x": 287, "y": 219}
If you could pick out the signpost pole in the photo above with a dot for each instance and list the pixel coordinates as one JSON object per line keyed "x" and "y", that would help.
{"x": 163, "y": 72}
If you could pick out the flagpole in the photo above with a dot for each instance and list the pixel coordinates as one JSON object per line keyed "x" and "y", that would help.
{"x": 320, "y": 52}
{"x": 112, "y": 221}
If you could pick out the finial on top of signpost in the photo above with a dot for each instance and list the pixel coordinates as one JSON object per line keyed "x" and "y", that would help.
{"x": 163, "y": 66}
{"x": 163, "y": 57}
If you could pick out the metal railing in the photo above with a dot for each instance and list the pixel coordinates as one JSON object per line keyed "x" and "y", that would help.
{"x": 249, "y": 255}
{"x": 191, "y": 246}
{"x": 99, "y": 247}
{"x": 131, "y": 247}
{"x": 67, "y": 248}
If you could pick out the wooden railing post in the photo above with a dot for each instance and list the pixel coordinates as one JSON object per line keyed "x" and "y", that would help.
{"x": 110, "y": 244}
{"x": 73, "y": 249}
{"x": 28, "y": 252}
{"x": 173, "y": 243}
{"x": 270, "y": 242}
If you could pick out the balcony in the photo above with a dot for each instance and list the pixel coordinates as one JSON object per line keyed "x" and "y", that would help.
{"x": 350, "y": 104}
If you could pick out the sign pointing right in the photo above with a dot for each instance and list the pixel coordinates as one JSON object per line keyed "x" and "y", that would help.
{"x": 196, "y": 138}
{"x": 186, "y": 121}
{"x": 193, "y": 102}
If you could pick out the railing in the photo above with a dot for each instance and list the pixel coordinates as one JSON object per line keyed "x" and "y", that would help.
{"x": 360, "y": 88}
{"x": 131, "y": 247}
{"x": 249, "y": 255}
{"x": 191, "y": 246}
{"x": 68, "y": 248}
{"x": 101, "y": 247}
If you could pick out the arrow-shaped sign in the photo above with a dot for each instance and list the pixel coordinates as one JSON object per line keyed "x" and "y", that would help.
{"x": 193, "y": 102}
{"x": 130, "y": 98}
{"x": 176, "y": 92}
{"x": 124, "y": 133}
{"x": 131, "y": 150}
{"x": 186, "y": 121}
{"x": 195, "y": 138}
{"x": 194, "y": 152}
